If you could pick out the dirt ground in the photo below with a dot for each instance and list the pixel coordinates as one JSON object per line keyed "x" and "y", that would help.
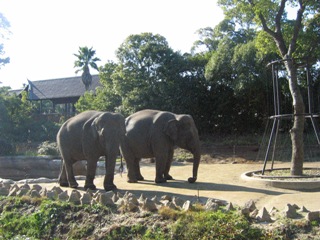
{"x": 219, "y": 176}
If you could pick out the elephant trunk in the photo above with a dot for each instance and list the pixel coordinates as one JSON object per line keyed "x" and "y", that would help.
{"x": 196, "y": 161}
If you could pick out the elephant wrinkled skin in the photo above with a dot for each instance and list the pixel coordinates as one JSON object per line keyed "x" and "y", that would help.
{"x": 154, "y": 134}
{"x": 87, "y": 136}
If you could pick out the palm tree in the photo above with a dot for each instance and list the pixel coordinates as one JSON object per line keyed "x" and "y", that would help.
{"x": 85, "y": 58}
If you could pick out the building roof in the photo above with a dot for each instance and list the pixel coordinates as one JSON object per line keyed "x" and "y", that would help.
{"x": 59, "y": 88}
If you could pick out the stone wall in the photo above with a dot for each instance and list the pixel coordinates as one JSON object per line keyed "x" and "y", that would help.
{"x": 23, "y": 167}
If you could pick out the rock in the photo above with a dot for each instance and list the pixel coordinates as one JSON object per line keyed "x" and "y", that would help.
{"x": 4, "y": 191}
{"x": 13, "y": 190}
{"x": 155, "y": 200}
{"x": 34, "y": 194}
{"x": 26, "y": 186}
{"x": 178, "y": 202}
{"x": 303, "y": 209}
{"x": 6, "y": 185}
{"x": 313, "y": 216}
{"x": 115, "y": 198}
{"x": 250, "y": 205}
{"x": 120, "y": 202}
{"x": 43, "y": 192}
{"x": 74, "y": 197}
{"x": 254, "y": 213}
{"x": 290, "y": 211}
{"x": 96, "y": 194}
{"x": 149, "y": 205}
{"x": 211, "y": 205}
{"x": 229, "y": 207}
{"x": 36, "y": 187}
{"x": 166, "y": 197}
{"x": 187, "y": 206}
{"x": 131, "y": 207}
{"x": 22, "y": 191}
{"x": 105, "y": 198}
{"x": 245, "y": 211}
{"x": 141, "y": 199}
{"x": 132, "y": 198}
{"x": 263, "y": 215}
{"x": 63, "y": 196}
{"x": 169, "y": 205}
{"x": 51, "y": 194}
{"x": 119, "y": 195}
{"x": 295, "y": 206}
{"x": 273, "y": 211}
{"x": 57, "y": 190}
{"x": 86, "y": 198}
{"x": 89, "y": 191}
{"x": 218, "y": 201}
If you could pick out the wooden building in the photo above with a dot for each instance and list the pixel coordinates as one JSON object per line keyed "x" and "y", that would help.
{"x": 62, "y": 92}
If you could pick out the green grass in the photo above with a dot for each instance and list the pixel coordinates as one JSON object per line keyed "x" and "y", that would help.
{"x": 42, "y": 219}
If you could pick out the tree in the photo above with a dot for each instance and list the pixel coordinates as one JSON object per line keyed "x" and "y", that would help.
{"x": 4, "y": 31}
{"x": 85, "y": 59}
{"x": 147, "y": 71}
{"x": 105, "y": 97}
{"x": 271, "y": 15}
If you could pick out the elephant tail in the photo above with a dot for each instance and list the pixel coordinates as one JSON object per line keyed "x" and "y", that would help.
{"x": 121, "y": 165}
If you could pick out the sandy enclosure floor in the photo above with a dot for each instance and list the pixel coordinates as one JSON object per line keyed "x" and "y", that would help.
{"x": 220, "y": 181}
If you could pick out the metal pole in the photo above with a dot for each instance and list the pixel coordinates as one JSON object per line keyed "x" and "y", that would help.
{"x": 269, "y": 144}
{"x": 276, "y": 110}
{"x": 310, "y": 103}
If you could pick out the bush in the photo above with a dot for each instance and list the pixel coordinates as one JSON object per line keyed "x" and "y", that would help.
{"x": 47, "y": 148}
{"x": 6, "y": 148}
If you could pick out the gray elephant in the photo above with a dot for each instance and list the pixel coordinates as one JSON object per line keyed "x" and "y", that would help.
{"x": 154, "y": 134}
{"x": 87, "y": 136}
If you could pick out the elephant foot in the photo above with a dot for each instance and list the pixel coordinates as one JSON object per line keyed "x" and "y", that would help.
{"x": 90, "y": 186}
{"x": 132, "y": 180}
{"x": 73, "y": 185}
{"x": 169, "y": 177}
{"x": 140, "y": 178}
{"x": 160, "y": 180}
{"x": 64, "y": 184}
{"x": 192, "y": 179}
{"x": 110, "y": 187}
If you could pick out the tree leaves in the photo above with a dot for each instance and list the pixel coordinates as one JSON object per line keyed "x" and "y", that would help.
{"x": 85, "y": 59}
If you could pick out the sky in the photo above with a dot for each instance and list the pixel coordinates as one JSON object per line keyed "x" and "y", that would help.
{"x": 46, "y": 33}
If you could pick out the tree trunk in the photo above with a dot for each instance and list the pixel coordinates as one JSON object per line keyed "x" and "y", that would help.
{"x": 86, "y": 77}
{"x": 296, "y": 131}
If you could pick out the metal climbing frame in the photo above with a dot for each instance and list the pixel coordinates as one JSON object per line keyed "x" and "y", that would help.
{"x": 277, "y": 112}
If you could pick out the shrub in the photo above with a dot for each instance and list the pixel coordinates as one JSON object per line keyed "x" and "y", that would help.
{"x": 6, "y": 148}
{"x": 47, "y": 148}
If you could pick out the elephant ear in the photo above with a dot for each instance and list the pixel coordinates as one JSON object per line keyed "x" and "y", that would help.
{"x": 171, "y": 129}
{"x": 96, "y": 132}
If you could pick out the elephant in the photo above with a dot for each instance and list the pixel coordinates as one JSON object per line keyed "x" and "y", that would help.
{"x": 154, "y": 134}
{"x": 88, "y": 136}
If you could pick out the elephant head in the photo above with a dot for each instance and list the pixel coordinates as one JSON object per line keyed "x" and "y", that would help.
{"x": 108, "y": 127}
{"x": 107, "y": 131}
{"x": 184, "y": 134}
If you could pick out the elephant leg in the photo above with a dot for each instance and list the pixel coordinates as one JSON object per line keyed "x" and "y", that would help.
{"x": 167, "y": 176}
{"x": 110, "y": 164}
{"x": 91, "y": 172}
{"x": 130, "y": 161}
{"x": 63, "y": 181}
{"x": 137, "y": 169}
{"x": 160, "y": 168}
{"x": 68, "y": 164}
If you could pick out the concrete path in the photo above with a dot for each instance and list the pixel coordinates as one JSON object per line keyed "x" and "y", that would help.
{"x": 220, "y": 181}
